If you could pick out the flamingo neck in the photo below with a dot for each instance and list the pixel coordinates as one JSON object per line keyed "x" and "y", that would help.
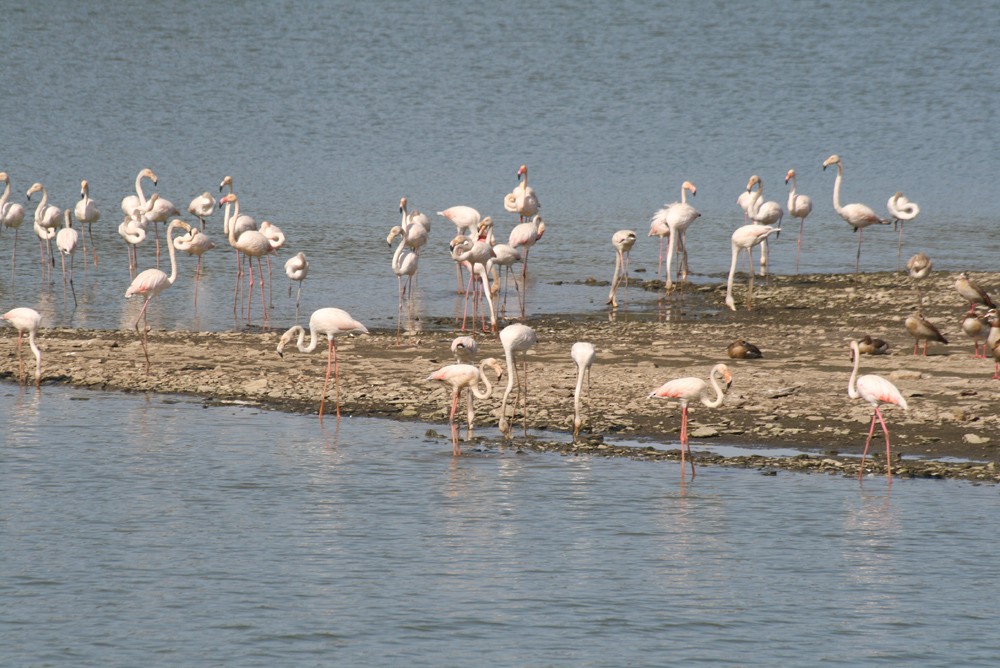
{"x": 719, "y": 396}
{"x": 173, "y": 254}
{"x": 836, "y": 188}
{"x": 42, "y": 203}
{"x": 576, "y": 394}
{"x": 852, "y": 389}
{"x": 138, "y": 190}
{"x": 486, "y": 381}
{"x": 37, "y": 353}
{"x": 397, "y": 256}
{"x": 5, "y": 196}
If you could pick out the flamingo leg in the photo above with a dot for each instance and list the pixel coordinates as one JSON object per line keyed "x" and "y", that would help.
{"x": 145, "y": 330}
{"x": 524, "y": 403}
{"x": 326, "y": 381}
{"x": 798, "y": 245}
{"x": 885, "y": 430}
{"x": 20, "y": 359}
{"x": 857, "y": 258}
{"x": 871, "y": 432}
{"x": 71, "y": 286}
{"x": 263, "y": 304}
{"x": 13, "y": 259}
{"x": 336, "y": 377}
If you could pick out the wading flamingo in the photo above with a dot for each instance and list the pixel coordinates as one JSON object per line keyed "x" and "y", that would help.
{"x": 138, "y": 201}
{"x": 196, "y": 243}
{"x": 466, "y": 220}
{"x": 11, "y": 217}
{"x": 133, "y": 231}
{"x": 329, "y": 322}
{"x": 152, "y": 282}
{"x": 466, "y": 377}
{"x": 690, "y": 389}
{"x": 901, "y": 210}
{"x": 583, "y": 355}
{"x": 745, "y": 238}
{"x": 799, "y": 206}
{"x": 875, "y": 390}
{"x": 763, "y": 213}
{"x": 66, "y": 241}
{"x": 276, "y": 237}
{"x": 516, "y": 338}
{"x": 202, "y": 206}
{"x": 26, "y": 320}
{"x": 403, "y": 264}
{"x": 504, "y": 255}
{"x": 87, "y": 214}
{"x": 297, "y": 269}
{"x": 972, "y": 292}
{"x": 251, "y": 243}
{"x": 922, "y": 329}
{"x": 47, "y": 220}
{"x": 522, "y": 200}
{"x": 858, "y": 216}
{"x": 524, "y": 236}
{"x": 919, "y": 267}
{"x": 677, "y": 217}
{"x": 622, "y": 240}
{"x": 477, "y": 254}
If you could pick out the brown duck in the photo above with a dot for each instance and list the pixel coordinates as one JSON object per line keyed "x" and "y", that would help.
{"x": 922, "y": 329}
{"x": 869, "y": 346}
{"x": 743, "y": 350}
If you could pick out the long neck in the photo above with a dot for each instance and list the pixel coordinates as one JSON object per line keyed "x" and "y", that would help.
{"x": 684, "y": 195}
{"x": 173, "y": 255}
{"x": 754, "y": 204}
{"x": 511, "y": 369}
{"x": 836, "y": 188}
{"x": 486, "y": 381}
{"x": 791, "y": 194}
{"x": 581, "y": 369}
{"x": 403, "y": 222}
{"x": 313, "y": 340}
{"x": 397, "y": 256}
{"x": 231, "y": 222}
{"x": 732, "y": 272}
{"x": 138, "y": 189}
{"x": 6, "y": 194}
{"x": 852, "y": 390}
{"x": 38, "y": 355}
{"x": 718, "y": 389}
{"x": 42, "y": 203}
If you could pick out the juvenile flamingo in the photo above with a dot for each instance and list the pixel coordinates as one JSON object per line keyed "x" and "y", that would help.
{"x": 66, "y": 241}
{"x": 901, "y": 210}
{"x": 622, "y": 240}
{"x": 875, "y": 390}
{"x": 152, "y": 282}
{"x": 26, "y": 320}
{"x": 11, "y": 216}
{"x": 516, "y": 338}
{"x": 691, "y": 389}
{"x": 87, "y": 214}
{"x": 799, "y": 206}
{"x": 856, "y": 215}
{"x": 297, "y": 269}
{"x": 466, "y": 377}
{"x": 583, "y": 355}
{"x": 329, "y": 322}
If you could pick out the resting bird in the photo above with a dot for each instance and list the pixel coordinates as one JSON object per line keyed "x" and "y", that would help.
{"x": 743, "y": 350}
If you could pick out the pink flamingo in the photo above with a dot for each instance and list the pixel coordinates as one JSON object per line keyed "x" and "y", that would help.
{"x": 901, "y": 210}
{"x": 799, "y": 206}
{"x": 251, "y": 243}
{"x": 522, "y": 200}
{"x": 622, "y": 240}
{"x": 466, "y": 220}
{"x": 504, "y": 255}
{"x": 468, "y": 377}
{"x": 66, "y": 241}
{"x": 152, "y": 282}
{"x": 11, "y": 216}
{"x": 858, "y": 216}
{"x": 47, "y": 219}
{"x": 26, "y": 320}
{"x": 659, "y": 228}
{"x": 202, "y": 206}
{"x": 477, "y": 254}
{"x": 87, "y": 214}
{"x": 526, "y": 235}
{"x": 875, "y": 390}
{"x": 329, "y": 322}
{"x": 763, "y": 213}
{"x": 745, "y": 238}
{"x": 516, "y": 338}
{"x": 691, "y": 389}
{"x": 196, "y": 243}
{"x": 677, "y": 216}
{"x": 583, "y": 355}
{"x": 297, "y": 269}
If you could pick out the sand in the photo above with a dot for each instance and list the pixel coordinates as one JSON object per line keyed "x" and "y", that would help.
{"x": 795, "y": 396}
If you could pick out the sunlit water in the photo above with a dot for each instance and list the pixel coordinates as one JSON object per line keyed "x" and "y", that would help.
{"x": 327, "y": 113}
{"x": 170, "y": 536}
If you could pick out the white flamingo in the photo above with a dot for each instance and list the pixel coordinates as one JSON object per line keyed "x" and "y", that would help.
{"x": 477, "y": 254}
{"x": 403, "y": 264}
{"x": 901, "y": 210}
{"x": 251, "y": 243}
{"x": 202, "y": 206}
{"x": 468, "y": 377}
{"x": 28, "y": 320}
{"x": 466, "y": 220}
{"x": 622, "y": 240}
{"x": 47, "y": 221}
{"x": 11, "y": 217}
{"x": 522, "y": 200}
{"x": 763, "y": 213}
{"x": 856, "y": 215}
{"x": 297, "y": 269}
{"x": 799, "y": 206}
{"x": 583, "y": 354}
{"x": 87, "y": 213}
{"x": 133, "y": 231}
{"x": 516, "y": 338}
{"x": 196, "y": 243}
{"x": 66, "y": 241}
{"x": 745, "y": 238}
{"x": 677, "y": 216}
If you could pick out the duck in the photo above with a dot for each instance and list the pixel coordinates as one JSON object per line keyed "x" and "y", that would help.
{"x": 743, "y": 350}
{"x": 872, "y": 346}
{"x": 922, "y": 329}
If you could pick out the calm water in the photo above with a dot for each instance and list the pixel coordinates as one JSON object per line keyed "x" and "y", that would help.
{"x": 171, "y": 538}
{"x": 327, "y": 113}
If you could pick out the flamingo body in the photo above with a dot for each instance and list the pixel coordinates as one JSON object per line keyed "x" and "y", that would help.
{"x": 26, "y": 321}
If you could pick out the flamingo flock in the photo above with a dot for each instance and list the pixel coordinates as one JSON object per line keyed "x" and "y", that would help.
{"x": 474, "y": 249}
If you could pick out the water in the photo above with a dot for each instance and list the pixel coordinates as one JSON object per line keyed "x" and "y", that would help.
{"x": 171, "y": 537}
{"x": 327, "y": 113}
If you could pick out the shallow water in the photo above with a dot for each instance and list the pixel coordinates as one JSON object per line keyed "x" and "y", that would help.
{"x": 170, "y": 536}
{"x": 327, "y": 113}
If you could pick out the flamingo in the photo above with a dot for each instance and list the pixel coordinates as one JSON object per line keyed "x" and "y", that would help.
{"x": 159, "y": 210}
{"x": 763, "y": 213}
{"x": 522, "y": 200}
{"x": 277, "y": 240}
{"x": 872, "y": 346}
{"x": 66, "y": 241}
{"x": 11, "y": 216}
{"x": 858, "y": 216}
{"x": 242, "y": 221}
{"x": 152, "y": 282}
{"x": 297, "y": 268}
{"x": 28, "y": 320}
{"x": 466, "y": 219}
{"x": 138, "y": 201}
{"x": 329, "y": 322}
{"x": 799, "y": 206}
{"x": 745, "y": 238}
{"x": 196, "y": 243}
{"x": 976, "y": 327}
{"x": 87, "y": 213}
{"x": 466, "y": 376}
{"x": 875, "y": 390}
{"x": 464, "y": 349}
{"x": 133, "y": 231}
{"x": 659, "y": 228}
{"x": 922, "y": 329}
{"x": 402, "y": 265}
{"x": 412, "y": 218}
{"x": 901, "y": 210}
{"x": 677, "y": 216}
{"x": 622, "y": 240}
{"x": 919, "y": 267}
{"x": 504, "y": 255}
{"x": 251, "y": 243}
{"x": 526, "y": 235}
{"x": 689, "y": 389}
{"x": 516, "y": 338}
{"x": 477, "y": 254}
{"x": 583, "y": 355}
{"x": 972, "y": 292}
{"x": 743, "y": 350}
{"x": 202, "y": 206}
{"x": 47, "y": 219}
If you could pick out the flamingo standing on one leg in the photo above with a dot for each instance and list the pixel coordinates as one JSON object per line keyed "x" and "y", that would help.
{"x": 152, "y": 282}
{"x": 11, "y": 216}
{"x": 875, "y": 390}
{"x": 87, "y": 214}
{"x": 47, "y": 219}
{"x": 466, "y": 377}
{"x": 677, "y": 216}
{"x": 858, "y": 216}
{"x": 329, "y": 322}
{"x": 202, "y": 206}
{"x": 745, "y": 238}
{"x": 516, "y": 338}
{"x": 66, "y": 241}
{"x": 133, "y": 231}
{"x": 583, "y": 355}
{"x": 901, "y": 210}
{"x": 689, "y": 389}
{"x": 799, "y": 206}
{"x": 277, "y": 240}
{"x": 622, "y": 240}
{"x": 919, "y": 267}
{"x": 297, "y": 268}
{"x": 28, "y": 320}
{"x": 522, "y": 200}
{"x": 196, "y": 243}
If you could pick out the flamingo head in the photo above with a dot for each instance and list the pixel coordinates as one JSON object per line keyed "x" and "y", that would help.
{"x": 226, "y": 181}
{"x": 148, "y": 173}
{"x": 541, "y": 227}
{"x": 393, "y": 233}
{"x": 690, "y": 187}
{"x": 35, "y": 188}
{"x": 789, "y": 176}
{"x": 832, "y": 160}
{"x": 4, "y": 178}
{"x": 522, "y": 171}
{"x": 402, "y": 205}
{"x": 84, "y": 188}
{"x": 727, "y": 376}
{"x": 494, "y": 364}
{"x": 228, "y": 199}
{"x": 460, "y": 240}
{"x": 754, "y": 181}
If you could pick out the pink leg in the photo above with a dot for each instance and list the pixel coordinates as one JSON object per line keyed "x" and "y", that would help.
{"x": 455, "y": 451}
{"x": 326, "y": 382}
{"x": 20, "y": 359}
{"x": 871, "y": 432}
{"x": 798, "y": 246}
{"x": 336, "y": 377}
{"x": 263, "y": 304}
{"x": 885, "y": 430}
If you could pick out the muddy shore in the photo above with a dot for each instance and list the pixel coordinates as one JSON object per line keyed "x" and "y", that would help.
{"x": 795, "y": 396}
